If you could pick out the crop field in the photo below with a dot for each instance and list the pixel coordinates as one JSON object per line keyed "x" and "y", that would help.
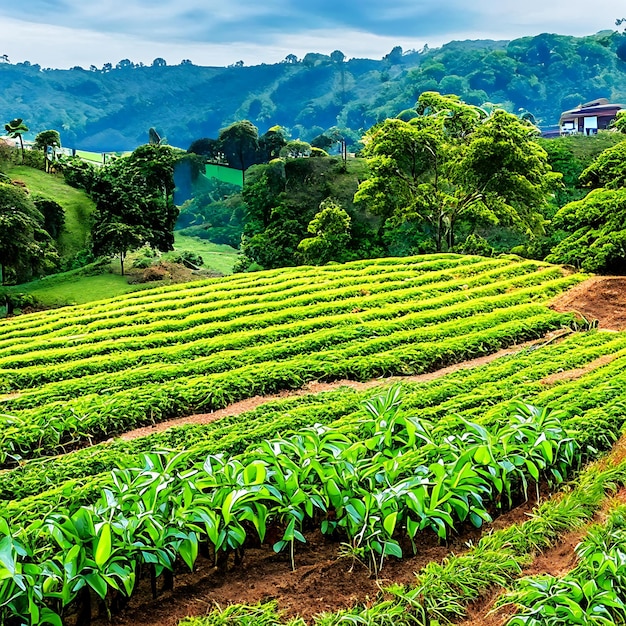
{"x": 90, "y": 524}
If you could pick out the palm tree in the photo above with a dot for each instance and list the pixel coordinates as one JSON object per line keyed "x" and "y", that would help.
{"x": 15, "y": 129}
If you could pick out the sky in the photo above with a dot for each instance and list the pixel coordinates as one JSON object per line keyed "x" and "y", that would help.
{"x": 67, "y": 33}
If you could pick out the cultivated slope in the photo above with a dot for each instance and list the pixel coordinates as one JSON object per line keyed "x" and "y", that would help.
{"x": 85, "y": 373}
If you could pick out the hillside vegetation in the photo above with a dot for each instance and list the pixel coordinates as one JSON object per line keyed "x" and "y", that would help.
{"x": 112, "y": 108}
{"x": 220, "y": 341}
{"x": 77, "y": 206}
{"x": 380, "y": 475}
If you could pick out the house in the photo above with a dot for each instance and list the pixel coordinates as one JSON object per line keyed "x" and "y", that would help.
{"x": 589, "y": 118}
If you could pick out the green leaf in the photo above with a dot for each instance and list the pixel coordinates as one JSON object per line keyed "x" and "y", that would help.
{"x": 389, "y": 524}
{"x": 97, "y": 583}
{"x": 188, "y": 550}
{"x": 392, "y": 548}
{"x": 103, "y": 549}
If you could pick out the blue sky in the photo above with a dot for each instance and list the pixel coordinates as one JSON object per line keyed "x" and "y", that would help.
{"x": 64, "y": 33}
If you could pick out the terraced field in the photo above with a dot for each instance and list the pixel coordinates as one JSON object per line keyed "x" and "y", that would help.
{"x": 369, "y": 477}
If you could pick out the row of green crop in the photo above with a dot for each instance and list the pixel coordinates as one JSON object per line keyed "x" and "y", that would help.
{"x": 113, "y": 371}
{"x": 224, "y": 290}
{"x": 442, "y": 591}
{"x": 594, "y": 592}
{"x": 457, "y": 393}
{"x": 51, "y": 427}
{"x": 397, "y": 481}
{"x": 335, "y": 313}
{"x": 198, "y": 312}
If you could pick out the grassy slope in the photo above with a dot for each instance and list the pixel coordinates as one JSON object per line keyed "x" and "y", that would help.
{"x": 219, "y": 257}
{"x": 78, "y": 206}
{"x": 73, "y": 287}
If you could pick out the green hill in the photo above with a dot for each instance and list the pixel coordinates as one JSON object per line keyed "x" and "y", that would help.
{"x": 112, "y": 108}
{"x": 76, "y": 203}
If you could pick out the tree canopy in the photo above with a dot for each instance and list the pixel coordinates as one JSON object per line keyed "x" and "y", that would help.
{"x": 134, "y": 202}
{"x": 451, "y": 165}
{"x": 595, "y": 225}
{"x": 26, "y": 248}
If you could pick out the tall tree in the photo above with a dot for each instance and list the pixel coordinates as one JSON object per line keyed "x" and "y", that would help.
{"x": 15, "y": 129}
{"x": 134, "y": 202}
{"x": 47, "y": 139}
{"x": 240, "y": 144}
{"x": 25, "y": 246}
{"x": 452, "y": 164}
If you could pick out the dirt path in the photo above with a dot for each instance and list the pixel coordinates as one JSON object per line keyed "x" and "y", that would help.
{"x": 317, "y": 387}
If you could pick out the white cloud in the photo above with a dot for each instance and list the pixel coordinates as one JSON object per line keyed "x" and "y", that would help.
{"x": 219, "y": 32}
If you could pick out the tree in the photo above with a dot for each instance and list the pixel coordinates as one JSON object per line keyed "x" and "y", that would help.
{"x": 337, "y": 56}
{"x": 124, "y": 64}
{"x": 240, "y": 144}
{"x": 53, "y": 215}
{"x": 159, "y": 62}
{"x": 452, "y": 164}
{"x": 134, "y": 202}
{"x": 113, "y": 237}
{"x": 608, "y": 169}
{"x": 596, "y": 227}
{"x": 15, "y": 129}
{"x": 208, "y": 148}
{"x": 331, "y": 234}
{"x": 292, "y": 59}
{"x": 47, "y": 139}
{"x": 295, "y": 149}
{"x": 271, "y": 143}
{"x": 25, "y": 246}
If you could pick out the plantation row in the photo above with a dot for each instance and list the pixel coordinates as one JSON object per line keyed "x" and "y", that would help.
{"x": 397, "y": 480}
{"x": 51, "y": 427}
{"x": 270, "y": 285}
{"x": 60, "y": 398}
{"x": 442, "y": 591}
{"x": 213, "y": 337}
{"x": 596, "y": 416}
{"x": 251, "y": 312}
{"x": 472, "y": 394}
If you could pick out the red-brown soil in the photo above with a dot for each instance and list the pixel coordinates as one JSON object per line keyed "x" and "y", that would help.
{"x": 601, "y": 297}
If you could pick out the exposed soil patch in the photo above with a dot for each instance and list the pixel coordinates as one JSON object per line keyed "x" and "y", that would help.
{"x": 578, "y": 372}
{"x": 317, "y": 387}
{"x": 601, "y": 297}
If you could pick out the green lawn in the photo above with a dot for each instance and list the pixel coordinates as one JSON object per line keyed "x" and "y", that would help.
{"x": 77, "y": 205}
{"x": 218, "y": 257}
{"x": 74, "y": 288}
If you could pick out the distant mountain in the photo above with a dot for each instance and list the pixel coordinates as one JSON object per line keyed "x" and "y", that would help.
{"x": 112, "y": 108}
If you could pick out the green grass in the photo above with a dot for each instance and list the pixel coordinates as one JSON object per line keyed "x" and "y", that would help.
{"x": 77, "y": 205}
{"x": 75, "y": 288}
{"x": 218, "y": 257}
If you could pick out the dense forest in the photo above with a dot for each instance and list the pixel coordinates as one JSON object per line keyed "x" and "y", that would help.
{"x": 112, "y": 107}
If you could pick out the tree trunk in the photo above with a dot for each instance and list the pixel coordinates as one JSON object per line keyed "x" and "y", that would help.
{"x": 122, "y": 257}
{"x": 22, "y": 147}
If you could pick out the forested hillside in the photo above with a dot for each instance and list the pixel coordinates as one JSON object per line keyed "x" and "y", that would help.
{"x": 112, "y": 108}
